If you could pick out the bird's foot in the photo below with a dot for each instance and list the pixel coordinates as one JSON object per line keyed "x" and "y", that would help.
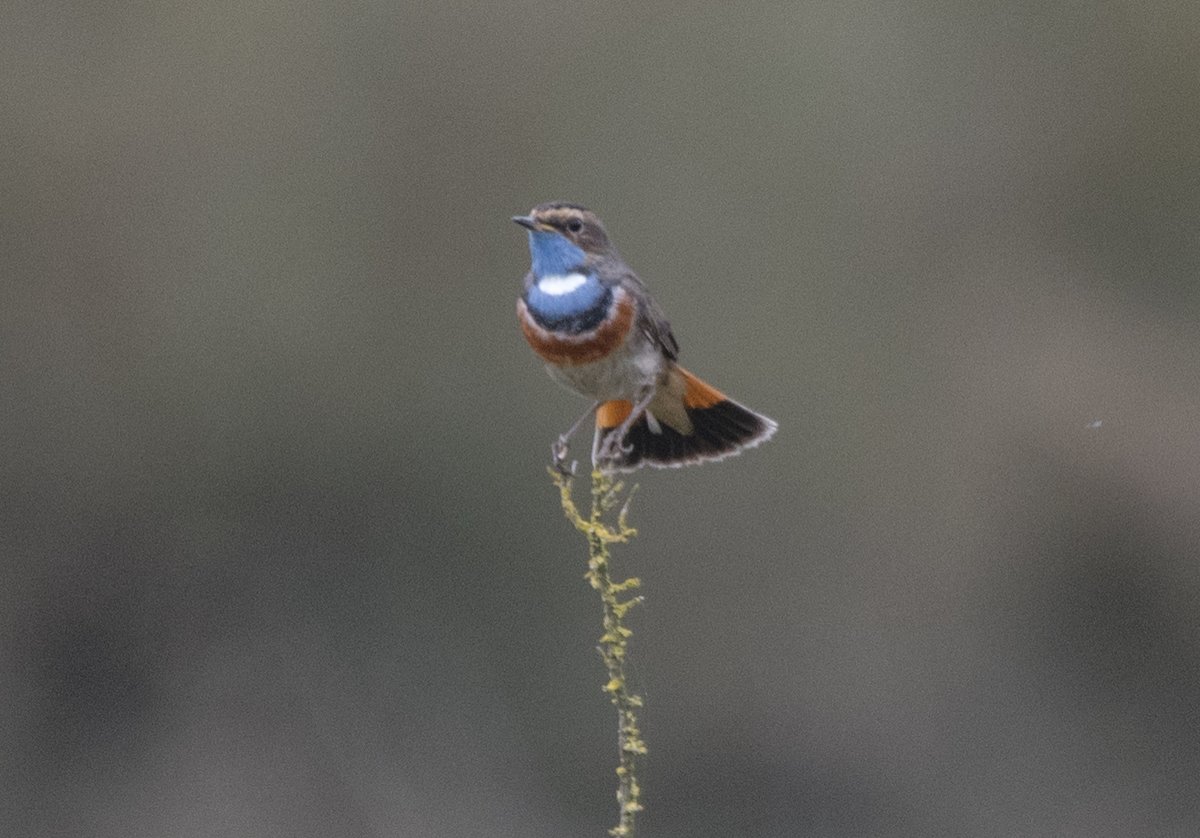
{"x": 558, "y": 457}
{"x": 612, "y": 450}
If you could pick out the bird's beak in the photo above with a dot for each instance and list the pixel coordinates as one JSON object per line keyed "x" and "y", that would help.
{"x": 526, "y": 221}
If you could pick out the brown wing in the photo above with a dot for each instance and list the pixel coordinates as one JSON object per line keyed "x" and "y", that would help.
{"x": 653, "y": 321}
{"x": 662, "y": 334}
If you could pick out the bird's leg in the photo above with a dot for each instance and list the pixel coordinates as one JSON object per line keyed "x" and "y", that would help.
{"x": 560, "y": 447}
{"x": 614, "y": 442}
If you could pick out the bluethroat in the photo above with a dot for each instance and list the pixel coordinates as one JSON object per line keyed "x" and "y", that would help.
{"x": 590, "y": 318}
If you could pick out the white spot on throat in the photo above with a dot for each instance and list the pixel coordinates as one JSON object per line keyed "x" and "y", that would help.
{"x": 559, "y": 284}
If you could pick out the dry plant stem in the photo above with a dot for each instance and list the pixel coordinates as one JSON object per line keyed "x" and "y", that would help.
{"x": 614, "y": 642}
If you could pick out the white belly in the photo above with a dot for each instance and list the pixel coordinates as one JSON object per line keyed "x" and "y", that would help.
{"x": 626, "y": 373}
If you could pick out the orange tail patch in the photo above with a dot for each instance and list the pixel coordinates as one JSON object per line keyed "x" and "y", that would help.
{"x": 611, "y": 414}
{"x": 698, "y": 395}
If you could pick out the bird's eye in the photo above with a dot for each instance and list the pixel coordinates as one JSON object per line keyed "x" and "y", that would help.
{"x": 574, "y": 225}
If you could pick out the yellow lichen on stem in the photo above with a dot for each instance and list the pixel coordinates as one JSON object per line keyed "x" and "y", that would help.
{"x": 614, "y": 641}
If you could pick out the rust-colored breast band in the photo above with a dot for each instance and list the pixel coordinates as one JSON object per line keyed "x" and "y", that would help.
{"x": 572, "y": 350}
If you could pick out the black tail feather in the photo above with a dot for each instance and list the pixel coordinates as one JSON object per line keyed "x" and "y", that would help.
{"x": 718, "y": 431}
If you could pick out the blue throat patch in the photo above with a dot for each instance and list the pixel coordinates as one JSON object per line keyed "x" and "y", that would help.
{"x": 554, "y": 255}
{"x": 579, "y": 310}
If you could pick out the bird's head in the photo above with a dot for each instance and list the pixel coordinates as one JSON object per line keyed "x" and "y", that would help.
{"x": 562, "y": 236}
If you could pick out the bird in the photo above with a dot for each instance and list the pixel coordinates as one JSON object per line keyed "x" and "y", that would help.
{"x": 589, "y": 317}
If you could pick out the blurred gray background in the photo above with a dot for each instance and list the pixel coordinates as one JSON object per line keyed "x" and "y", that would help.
{"x": 280, "y": 557}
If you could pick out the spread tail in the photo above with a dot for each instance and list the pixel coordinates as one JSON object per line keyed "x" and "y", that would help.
{"x": 688, "y": 421}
